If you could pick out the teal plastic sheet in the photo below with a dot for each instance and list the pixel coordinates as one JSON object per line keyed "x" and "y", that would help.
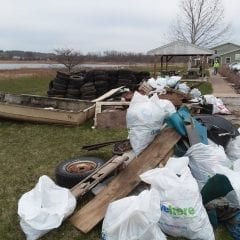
{"x": 182, "y": 117}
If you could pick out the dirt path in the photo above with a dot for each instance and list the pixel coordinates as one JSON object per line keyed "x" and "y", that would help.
{"x": 220, "y": 86}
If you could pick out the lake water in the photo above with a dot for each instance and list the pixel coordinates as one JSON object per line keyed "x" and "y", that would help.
{"x": 12, "y": 66}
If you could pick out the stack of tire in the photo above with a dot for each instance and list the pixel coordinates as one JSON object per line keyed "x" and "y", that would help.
{"x": 74, "y": 86}
{"x": 92, "y": 84}
{"x": 58, "y": 86}
{"x": 127, "y": 78}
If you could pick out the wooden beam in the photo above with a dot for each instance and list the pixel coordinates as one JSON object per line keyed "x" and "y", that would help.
{"x": 161, "y": 64}
{"x": 155, "y": 67}
{"x": 92, "y": 213}
{"x": 108, "y": 94}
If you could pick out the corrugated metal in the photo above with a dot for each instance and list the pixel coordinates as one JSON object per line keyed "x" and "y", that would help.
{"x": 180, "y": 48}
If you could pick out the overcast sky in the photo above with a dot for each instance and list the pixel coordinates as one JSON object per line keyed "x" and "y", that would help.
{"x": 93, "y": 25}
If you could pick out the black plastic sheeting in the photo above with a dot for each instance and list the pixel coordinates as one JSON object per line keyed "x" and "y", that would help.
{"x": 219, "y": 129}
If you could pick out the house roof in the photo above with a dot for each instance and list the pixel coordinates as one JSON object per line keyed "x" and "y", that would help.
{"x": 180, "y": 48}
{"x": 233, "y": 44}
{"x": 235, "y": 50}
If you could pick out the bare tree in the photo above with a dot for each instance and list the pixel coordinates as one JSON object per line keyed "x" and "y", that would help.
{"x": 68, "y": 57}
{"x": 200, "y": 22}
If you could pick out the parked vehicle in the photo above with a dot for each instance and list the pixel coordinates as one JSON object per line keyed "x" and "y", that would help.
{"x": 234, "y": 66}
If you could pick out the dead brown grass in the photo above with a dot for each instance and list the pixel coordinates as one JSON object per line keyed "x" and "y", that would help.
{"x": 25, "y": 72}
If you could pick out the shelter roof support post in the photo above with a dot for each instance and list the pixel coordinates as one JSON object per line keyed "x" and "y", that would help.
{"x": 161, "y": 64}
{"x": 155, "y": 67}
{"x": 168, "y": 58}
{"x": 166, "y": 63}
{"x": 204, "y": 63}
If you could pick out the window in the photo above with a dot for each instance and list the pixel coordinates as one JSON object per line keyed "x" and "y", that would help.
{"x": 227, "y": 60}
{"x": 237, "y": 57}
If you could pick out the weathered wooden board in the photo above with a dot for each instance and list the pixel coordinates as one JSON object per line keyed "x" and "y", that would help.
{"x": 114, "y": 119}
{"x": 93, "y": 212}
{"x": 99, "y": 105}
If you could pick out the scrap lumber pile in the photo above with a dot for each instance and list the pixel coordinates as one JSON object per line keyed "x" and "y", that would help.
{"x": 92, "y": 213}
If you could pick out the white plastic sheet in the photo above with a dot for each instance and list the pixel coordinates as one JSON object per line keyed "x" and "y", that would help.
{"x": 44, "y": 208}
{"x": 134, "y": 218}
{"x": 144, "y": 118}
{"x": 182, "y": 212}
{"x": 204, "y": 159}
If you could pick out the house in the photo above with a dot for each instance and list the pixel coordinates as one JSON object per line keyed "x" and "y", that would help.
{"x": 227, "y": 53}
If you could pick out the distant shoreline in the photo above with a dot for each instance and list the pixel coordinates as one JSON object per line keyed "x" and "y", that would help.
{"x": 26, "y": 62}
{"x": 54, "y": 62}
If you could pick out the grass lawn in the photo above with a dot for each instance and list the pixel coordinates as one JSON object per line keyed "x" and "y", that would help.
{"x": 29, "y": 151}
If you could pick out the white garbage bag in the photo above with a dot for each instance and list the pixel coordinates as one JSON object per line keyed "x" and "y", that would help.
{"x": 233, "y": 149}
{"x": 161, "y": 81}
{"x": 144, "y": 119}
{"x": 218, "y": 106}
{"x": 44, "y": 208}
{"x": 152, "y": 82}
{"x": 195, "y": 93}
{"x": 183, "y": 87}
{"x": 173, "y": 80}
{"x": 236, "y": 165}
{"x": 164, "y": 104}
{"x": 134, "y": 218}
{"x": 182, "y": 211}
{"x": 203, "y": 160}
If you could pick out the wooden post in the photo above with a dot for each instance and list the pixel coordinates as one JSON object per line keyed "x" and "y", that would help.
{"x": 166, "y": 63}
{"x": 155, "y": 67}
{"x": 161, "y": 64}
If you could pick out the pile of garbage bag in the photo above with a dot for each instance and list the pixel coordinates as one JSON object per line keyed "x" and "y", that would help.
{"x": 196, "y": 190}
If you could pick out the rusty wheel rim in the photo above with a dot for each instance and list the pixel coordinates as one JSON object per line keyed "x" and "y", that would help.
{"x": 81, "y": 166}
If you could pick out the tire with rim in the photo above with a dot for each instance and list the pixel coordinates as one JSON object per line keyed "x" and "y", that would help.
{"x": 72, "y": 171}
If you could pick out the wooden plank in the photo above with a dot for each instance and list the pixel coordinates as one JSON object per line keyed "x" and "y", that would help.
{"x": 114, "y": 119}
{"x": 99, "y": 105}
{"x": 93, "y": 212}
{"x": 107, "y": 94}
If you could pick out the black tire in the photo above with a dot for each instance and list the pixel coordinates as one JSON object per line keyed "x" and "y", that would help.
{"x": 72, "y": 171}
{"x": 73, "y": 91}
{"x": 77, "y": 81}
{"x": 101, "y": 83}
{"x": 58, "y": 92}
{"x": 59, "y": 86}
{"x": 63, "y": 81}
{"x": 72, "y": 96}
{"x": 88, "y": 84}
{"x": 88, "y": 97}
{"x": 62, "y": 75}
{"x": 101, "y": 78}
{"x": 89, "y": 89}
{"x": 50, "y": 85}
